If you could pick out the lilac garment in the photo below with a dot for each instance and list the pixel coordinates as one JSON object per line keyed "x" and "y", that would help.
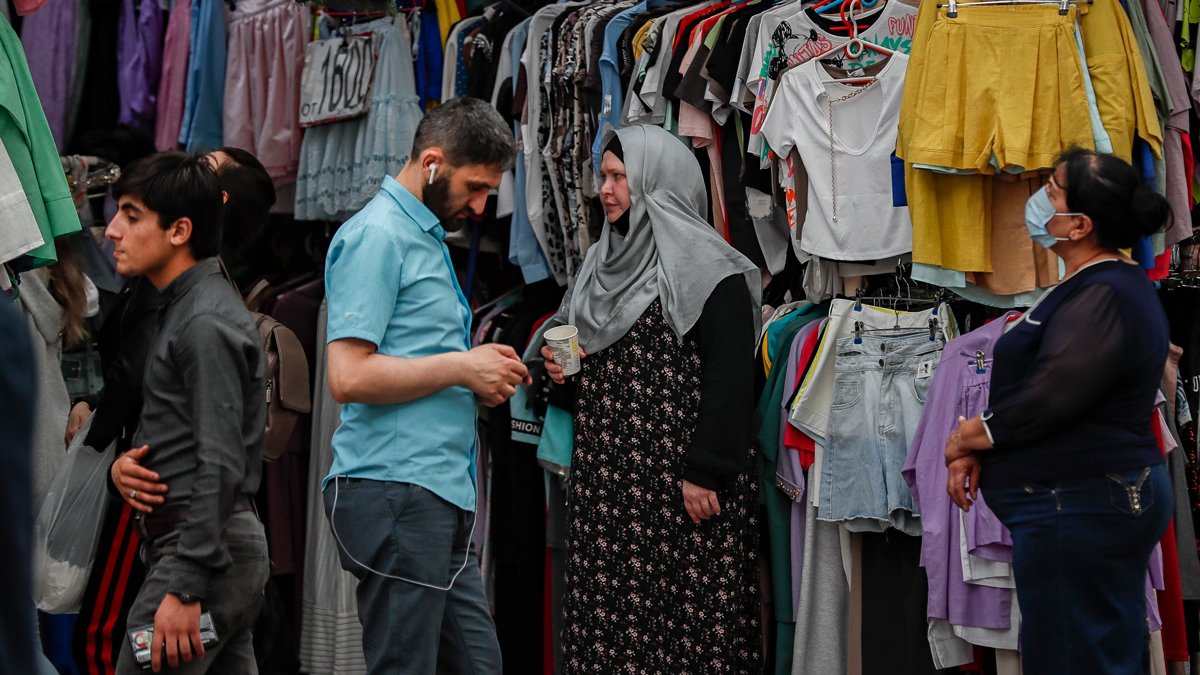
{"x": 48, "y": 37}
{"x": 789, "y": 475}
{"x": 172, "y": 86}
{"x": 986, "y": 536}
{"x": 957, "y": 389}
{"x": 1155, "y": 580}
{"x": 139, "y": 62}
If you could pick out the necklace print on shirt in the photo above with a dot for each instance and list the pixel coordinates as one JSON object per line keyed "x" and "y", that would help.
{"x": 832, "y": 151}
{"x": 844, "y": 136}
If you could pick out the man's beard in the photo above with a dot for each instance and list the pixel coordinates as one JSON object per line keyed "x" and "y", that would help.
{"x": 437, "y": 200}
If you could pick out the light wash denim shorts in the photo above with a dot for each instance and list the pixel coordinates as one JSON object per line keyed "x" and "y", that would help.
{"x": 880, "y": 384}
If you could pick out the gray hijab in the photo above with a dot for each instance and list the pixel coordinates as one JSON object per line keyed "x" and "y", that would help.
{"x": 670, "y": 252}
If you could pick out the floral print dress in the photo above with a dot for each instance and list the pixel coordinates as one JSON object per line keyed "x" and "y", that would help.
{"x": 648, "y": 591}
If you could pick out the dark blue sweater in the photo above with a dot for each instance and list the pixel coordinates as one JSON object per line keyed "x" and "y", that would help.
{"x": 1075, "y": 381}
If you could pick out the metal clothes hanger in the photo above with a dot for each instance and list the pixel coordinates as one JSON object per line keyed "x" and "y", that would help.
{"x": 953, "y": 5}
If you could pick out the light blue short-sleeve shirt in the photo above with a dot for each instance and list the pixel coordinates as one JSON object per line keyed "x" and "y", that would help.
{"x": 389, "y": 281}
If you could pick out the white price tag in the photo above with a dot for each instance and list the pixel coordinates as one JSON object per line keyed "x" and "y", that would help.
{"x": 336, "y": 84}
{"x": 925, "y": 370}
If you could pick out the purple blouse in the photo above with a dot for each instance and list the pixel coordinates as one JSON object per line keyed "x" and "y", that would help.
{"x": 139, "y": 62}
{"x": 957, "y": 389}
{"x": 48, "y": 37}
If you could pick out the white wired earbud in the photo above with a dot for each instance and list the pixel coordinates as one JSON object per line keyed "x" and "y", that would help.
{"x": 432, "y": 172}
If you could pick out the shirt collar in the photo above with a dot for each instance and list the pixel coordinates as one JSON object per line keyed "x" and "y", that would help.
{"x": 186, "y": 281}
{"x": 413, "y": 207}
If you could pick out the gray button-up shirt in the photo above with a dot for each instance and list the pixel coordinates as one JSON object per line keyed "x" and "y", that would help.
{"x": 203, "y": 416}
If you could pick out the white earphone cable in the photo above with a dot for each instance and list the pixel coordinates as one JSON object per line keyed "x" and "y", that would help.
{"x": 333, "y": 526}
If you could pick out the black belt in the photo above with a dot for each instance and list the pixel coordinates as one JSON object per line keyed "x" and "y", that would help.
{"x": 165, "y": 519}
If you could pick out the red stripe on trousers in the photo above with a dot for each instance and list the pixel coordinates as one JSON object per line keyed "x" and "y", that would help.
{"x": 131, "y": 549}
{"x": 97, "y": 643}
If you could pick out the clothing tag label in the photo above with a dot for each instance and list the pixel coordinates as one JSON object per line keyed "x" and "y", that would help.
{"x": 925, "y": 370}
{"x": 336, "y": 84}
{"x": 858, "y": 72}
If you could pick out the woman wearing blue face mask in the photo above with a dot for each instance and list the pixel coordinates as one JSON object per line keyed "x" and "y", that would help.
{"x": 1066, "y": 455}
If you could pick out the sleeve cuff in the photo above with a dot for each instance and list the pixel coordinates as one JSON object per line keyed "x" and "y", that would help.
{"x": 185, "y": 577}
{"x": 987, "y": 430}
{"x": 701, "y": 477}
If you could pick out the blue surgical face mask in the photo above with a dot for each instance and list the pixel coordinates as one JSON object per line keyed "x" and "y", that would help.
{"x": 1039, "y": 211}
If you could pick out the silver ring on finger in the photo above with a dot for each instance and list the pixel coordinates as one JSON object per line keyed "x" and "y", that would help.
{"x": 133, "y": 494}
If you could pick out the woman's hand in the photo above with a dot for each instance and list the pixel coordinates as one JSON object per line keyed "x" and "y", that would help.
{"x": 76, "y": 418}
{"x": 963, "y": 479}
{"x": 555, "y": 370}
{"x": 139, "y": 486}
{"x": 969, "y": 437}
{"x": 701, "y": 503}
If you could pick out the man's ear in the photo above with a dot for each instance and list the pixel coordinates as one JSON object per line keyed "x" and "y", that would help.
{"x": 432, "y": 155}
{"x": 180, "y": 232}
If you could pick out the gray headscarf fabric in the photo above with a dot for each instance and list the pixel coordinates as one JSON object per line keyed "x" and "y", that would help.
{"x": 670, "y": 251}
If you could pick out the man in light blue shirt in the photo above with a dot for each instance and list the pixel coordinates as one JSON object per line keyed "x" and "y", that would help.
{"x": 400, "y": 495}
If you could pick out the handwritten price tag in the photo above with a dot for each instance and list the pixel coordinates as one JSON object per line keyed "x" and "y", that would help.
{"x": 336, "y": 84}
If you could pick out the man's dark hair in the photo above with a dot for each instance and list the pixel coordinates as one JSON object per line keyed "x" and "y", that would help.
{"x": 1123, "y": 208}
{"x": 251, "y": 196}
{"x": 176, "y": 185}
{"x": 469, "y": 131}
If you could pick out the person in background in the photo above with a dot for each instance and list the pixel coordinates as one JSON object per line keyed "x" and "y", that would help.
{"x": 249, "y": 197}
{"x": 201, "y": 424}
{"x": 1066, "y": 455}
{"x": 20, "y": 650}
{"x": 400, "y": 495}
{"x": 662, "y": 567}
{"x": 125, "y": 341}
{"x": 56, "y": 302}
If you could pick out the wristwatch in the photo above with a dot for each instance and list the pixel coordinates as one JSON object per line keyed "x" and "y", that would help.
{"x": 187, "y": 598}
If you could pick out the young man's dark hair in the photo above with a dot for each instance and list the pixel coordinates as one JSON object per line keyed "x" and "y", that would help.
{"x": 177, "y": 185}
{"x": 251, "y": 194}
{"x": 469, "y": 131}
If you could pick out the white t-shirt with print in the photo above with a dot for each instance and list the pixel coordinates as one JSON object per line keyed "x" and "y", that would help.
{"x": 868, "y": 226}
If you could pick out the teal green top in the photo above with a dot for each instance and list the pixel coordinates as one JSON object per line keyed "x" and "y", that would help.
{"x": 779, "y": 340}
{"x": 27, "y": 139}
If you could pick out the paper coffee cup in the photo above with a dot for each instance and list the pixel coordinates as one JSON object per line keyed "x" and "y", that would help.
{"x": 564, "y": 344}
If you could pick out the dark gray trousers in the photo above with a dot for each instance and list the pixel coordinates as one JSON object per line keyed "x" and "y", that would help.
{"x": 404, "y": 530}
{"x": 234, "y": 598}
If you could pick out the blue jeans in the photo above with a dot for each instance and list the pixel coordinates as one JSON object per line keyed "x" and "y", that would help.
{"x": 404, "y": 530}
{"x": 1080, "y": 551}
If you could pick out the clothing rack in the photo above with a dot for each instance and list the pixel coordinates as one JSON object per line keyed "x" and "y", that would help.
{"x": 953, "y": 5}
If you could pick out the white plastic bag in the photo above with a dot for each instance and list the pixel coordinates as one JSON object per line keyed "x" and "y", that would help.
{"x": 68, "y": 525}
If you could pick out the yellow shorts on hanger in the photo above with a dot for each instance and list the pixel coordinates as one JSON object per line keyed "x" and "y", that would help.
{"x": 998, "y": 86}
{"x": 951, "y": 218}
{"x": 1123, "y": 95}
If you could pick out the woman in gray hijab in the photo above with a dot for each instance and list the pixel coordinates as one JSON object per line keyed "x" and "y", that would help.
{"x": 662, "y": 571}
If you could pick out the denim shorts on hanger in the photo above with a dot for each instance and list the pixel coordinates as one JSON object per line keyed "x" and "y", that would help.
{"x": 880, "y": 383}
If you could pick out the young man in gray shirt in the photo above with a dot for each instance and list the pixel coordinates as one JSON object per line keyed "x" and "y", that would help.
{"x": 201, "y": 426}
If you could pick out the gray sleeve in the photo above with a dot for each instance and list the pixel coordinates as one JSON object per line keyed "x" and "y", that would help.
{"x": 215, "y": 360}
